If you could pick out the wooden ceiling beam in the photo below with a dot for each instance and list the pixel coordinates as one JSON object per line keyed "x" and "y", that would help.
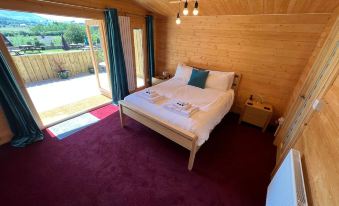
{"x": 73, "y": 8}
{"x": 241, "y": 7}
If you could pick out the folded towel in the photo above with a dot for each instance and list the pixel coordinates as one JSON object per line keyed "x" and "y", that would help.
{"x": 152, "y": 99}
{"x": 150, "y": 93}
{"x": 187, "y": 111}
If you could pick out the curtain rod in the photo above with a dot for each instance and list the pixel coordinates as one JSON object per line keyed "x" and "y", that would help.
{"x": 82, "y": 7}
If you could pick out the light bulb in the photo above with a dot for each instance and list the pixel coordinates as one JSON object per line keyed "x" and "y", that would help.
{"x": 185, "y": 11}
{"x": 196, "y": 8}
{"x": 178, "y": 21}
{"x": 195, "y": 11}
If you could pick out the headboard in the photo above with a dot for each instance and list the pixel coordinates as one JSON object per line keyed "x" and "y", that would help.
{"x": 235, "y": 85}
{"x": 236, "y": 82}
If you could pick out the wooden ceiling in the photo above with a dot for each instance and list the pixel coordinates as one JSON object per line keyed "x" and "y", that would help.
{"x": 206, "y": 7}
{"x": 243, "y": 7}
{"x": 100, "y": 4}
{"x": 75, "y": 8}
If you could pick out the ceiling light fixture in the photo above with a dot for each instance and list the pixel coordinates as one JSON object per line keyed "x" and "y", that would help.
{"x": 196, "y": 8}
{"x": 178, "y": 20}
{"x": 185, "y": 11}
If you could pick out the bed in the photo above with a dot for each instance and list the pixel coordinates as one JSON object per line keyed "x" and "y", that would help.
{"x": 190, "y": 132}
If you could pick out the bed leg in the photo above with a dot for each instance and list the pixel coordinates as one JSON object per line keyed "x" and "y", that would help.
{"x": 122, "y": 116}
{"x": 192, "y": 155}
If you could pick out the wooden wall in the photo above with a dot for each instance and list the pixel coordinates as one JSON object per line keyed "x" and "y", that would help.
{"x": 302, "y": 85}
{"x": 319, "y": 145}
{"x": 318, "y": 139}
{"x": 270, "y": 51}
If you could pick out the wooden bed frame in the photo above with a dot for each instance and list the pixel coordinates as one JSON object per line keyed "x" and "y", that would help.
{"x": 182, "y": 137}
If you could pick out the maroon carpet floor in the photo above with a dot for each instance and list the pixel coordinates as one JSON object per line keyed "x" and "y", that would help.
{"x": 107, "y": 165}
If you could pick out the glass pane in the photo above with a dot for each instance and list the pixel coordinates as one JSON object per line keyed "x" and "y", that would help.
{"x": 139, "y": 57}
{"x": 99, "y": 57}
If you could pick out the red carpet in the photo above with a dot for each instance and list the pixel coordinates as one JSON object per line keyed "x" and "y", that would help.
{"x": 106, "y": 165}
{"x": 105, "y": 111}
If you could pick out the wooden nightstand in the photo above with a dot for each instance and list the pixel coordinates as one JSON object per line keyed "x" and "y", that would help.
{"x": 159, "y": 79}
{"x": 256, "y": 113}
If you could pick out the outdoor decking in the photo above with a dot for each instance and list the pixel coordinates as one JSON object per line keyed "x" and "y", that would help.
{"x": 56, "y": 99}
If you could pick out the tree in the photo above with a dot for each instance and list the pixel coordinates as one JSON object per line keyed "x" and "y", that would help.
{"x": 75, "y": 33}
{"x": 65, "y": 46}
{"x": 50, "y": 29}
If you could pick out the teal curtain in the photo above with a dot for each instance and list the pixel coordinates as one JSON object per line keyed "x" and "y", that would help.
{"x": 19, "y": 117}
{"x": 116, "y": 56}
{"x": 150, "y": 48}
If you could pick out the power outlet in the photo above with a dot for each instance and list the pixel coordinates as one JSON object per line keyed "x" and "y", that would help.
{"x": 317, "y": 104}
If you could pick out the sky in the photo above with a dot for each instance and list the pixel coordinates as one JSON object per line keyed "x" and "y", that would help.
{"x": 62, "y": 18}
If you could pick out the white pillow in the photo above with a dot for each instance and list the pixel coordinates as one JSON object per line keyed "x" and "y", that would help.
{"x": 183, "y": 72}
{"x": 220, "y": 80}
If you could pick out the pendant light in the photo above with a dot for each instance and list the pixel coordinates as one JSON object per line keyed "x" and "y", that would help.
{"x": 185, "y": 11}
{"x": 178, "y": 20}
{"x": 196, "y": 8}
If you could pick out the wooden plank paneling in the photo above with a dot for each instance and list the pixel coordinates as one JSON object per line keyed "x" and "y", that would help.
{"x": 319, "y": 143}
{"x": 239, "y": 7}
{"x": 270, "y": 51}
{"x": 303, "y": 82}
{"x": 40, "y": 67}
{"x": 316, "y": 137}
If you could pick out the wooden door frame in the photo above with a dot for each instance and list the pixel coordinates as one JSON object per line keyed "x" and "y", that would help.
{"x": 144, "y": 45}
{"x": 20, "y": 83}
{"x": 331, "y": 44}
{"x": 103, "y": 41}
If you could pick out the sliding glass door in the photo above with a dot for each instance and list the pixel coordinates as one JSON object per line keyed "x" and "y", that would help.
{"x": 97, "y": 45}
{"x": 139, "y": 57}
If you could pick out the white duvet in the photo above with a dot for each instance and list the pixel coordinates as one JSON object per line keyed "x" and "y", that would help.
{"x": 213, "y": 106}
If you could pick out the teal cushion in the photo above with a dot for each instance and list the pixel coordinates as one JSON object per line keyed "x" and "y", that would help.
{"x": 198, "y": 78}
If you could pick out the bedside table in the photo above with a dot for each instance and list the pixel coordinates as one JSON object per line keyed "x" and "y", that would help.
{"x": 256, "y": 113}
{"x": 159, "y": 79}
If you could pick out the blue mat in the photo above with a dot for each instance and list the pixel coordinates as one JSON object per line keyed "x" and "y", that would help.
{"x": 72, "y": 126}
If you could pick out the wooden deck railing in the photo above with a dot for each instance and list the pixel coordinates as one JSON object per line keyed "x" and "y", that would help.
{"x": 39, "y": 67}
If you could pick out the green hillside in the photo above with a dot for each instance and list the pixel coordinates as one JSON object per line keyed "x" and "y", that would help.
{"x": 17, "y": 18}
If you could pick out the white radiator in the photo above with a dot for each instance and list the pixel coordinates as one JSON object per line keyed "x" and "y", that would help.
{"x": 287, "y": 187}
